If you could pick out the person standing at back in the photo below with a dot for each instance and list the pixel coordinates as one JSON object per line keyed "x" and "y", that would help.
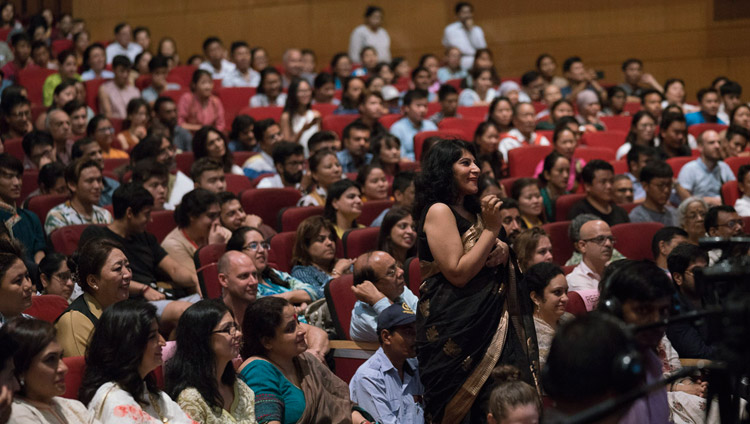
{"x": 464, "y": 34}
{"x": 371, "y": 34}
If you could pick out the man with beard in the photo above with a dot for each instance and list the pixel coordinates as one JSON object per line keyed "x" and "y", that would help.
{"x": 511, "y": 219}
{"x": 165, "y": 113}
{"x": 289, "y": 161}
{"x": 704, "y": 176}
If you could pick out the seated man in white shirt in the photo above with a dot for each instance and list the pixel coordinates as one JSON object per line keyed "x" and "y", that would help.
{"x": 243, "y": 75}
{"x": 464, "y": 34}
{"x": 524, "y": 123}
{"x": 704, "y": 176}
{"x": 388, "y": 383}
{"x": 378, "y": 283}
{"x": 215, "y": 64}
{"x": 292, "y": 65}
{"x": 289, "y": 161}
{"x": 593, "y": 238}
{"x": 742, "y": 205}
{"x": 123, "y": 44}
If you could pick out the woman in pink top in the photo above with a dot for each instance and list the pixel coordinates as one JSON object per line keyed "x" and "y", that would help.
{"x": 565, "y": 142}
{"x": 199, "y": 107}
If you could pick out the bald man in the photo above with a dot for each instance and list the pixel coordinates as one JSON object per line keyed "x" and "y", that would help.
{"x": 378, "y": 283}
{"x": 239, "y": 281}
{"x": 596, "y": 244}
{"x": 292, "y": 66}
{"x": 704, "y": 176}
{"x": 58, "y": 125}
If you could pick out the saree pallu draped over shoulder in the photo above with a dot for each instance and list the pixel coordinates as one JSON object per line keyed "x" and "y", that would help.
{"x": 464, "y": 332}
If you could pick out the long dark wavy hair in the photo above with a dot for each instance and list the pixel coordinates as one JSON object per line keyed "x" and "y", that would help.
{"x": 436, "y": 182}
{"x": 390, "y": 220}
{"x": 193, "y": 364}
{"x": 116, "y": 348}
{"x": 200, "y": 141}
{"x": 261, "y": 320}
{"x": 237, "y": 242}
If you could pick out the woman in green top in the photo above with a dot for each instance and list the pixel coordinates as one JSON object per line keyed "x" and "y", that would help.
{"x": 554, "y": 179}
{"x": 285, "y": 378}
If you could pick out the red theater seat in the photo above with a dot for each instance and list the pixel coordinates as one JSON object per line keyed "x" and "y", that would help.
{"x": 730, "y": 193}
{"x": 182, "y": 74}
{"x": 341, "y": 300}
{"x": 280, "y": 256}
{"x": 325, "y": 109}
{"x": 162, "y": 223}
{"x": 632, "y": 107}
{"x": 473, "y": 112}
{"x": 42, "y": 204}
{"x": 360, "y": 240}
{"x": 412, "y": 274}
{"x": 234, "y": 99}
{"x": 205, "y": 260}
{"x": 290, "y": 218}
{"x": 465, "y": 126}
{"x": 65, "y": 239}
{"x": 424, "y": 135}
{"x": 522, "y": 161}
{"x": 564, "y": 203}
{"x": 628, "y": 206}
{"x": 576, "y": 305}
{"x": 28, "y": 183}
{"x": 371, "y": 209}
{"x": 47, "y": 307}
{"x": 184, "y": 161}
{"x": 390, "y": 119}
{"x": 239, "y": 158}
{"x": 634, "y": 239}
{"x": 260, "y": 113}
{"x": 678, "y": 162}
{"x": 238, "y": 183}
{"x": 175, "y": 94}
{"x": 267, "y": 202}
{"x": 697, "y": 129}
{"x": 621, "y": 166}
{"x": 92, "y": 93}
{"x": 14, "y": 147}
{"x": 337, "y": 123}
{"x": 617, "y": 123}
{"x": 112, "y": 164}
{"x": 33, "y": 80}
{"x": 736, "y": 162}
{"x": 74, "y": 377}
{"x": 591, "y": 153}
{"x": 562, "y": 246}
{"x": 605, "y": 139}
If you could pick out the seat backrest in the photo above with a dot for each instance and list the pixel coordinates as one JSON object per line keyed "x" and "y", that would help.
{"x": 260, "y": 113}
{"x": 522, "y": 161}
{"x": 184, "y": 161}
{"x": 390, "y": 119}
{"x": 234, "y": 99}
{"x": 337, "y": 123}
{"x": 413, "y": 275}
{"x": 14, "y": 147}
{"x": 632, "y": 107}
{"x": 162, "y": 223}
{"x": 575, "y": 304}
{"x": 65, "y": 239}
{"x": 33, "y": 80}
{"x": 181, "y": 74}
{"x": 621, "y": 166}
{"x": 239, "y": 158}
{"x": 473, "y": 112}
{"x": 206, "y": 259}
{"x": 634, "y": 239}
{"x": 736, "y": 162}
{"x": 325, "y": 109}
{"x": 28, "y": 182}
{"x": 465, "y": 126}
{"x": 616, "y": 123}
{"x": 280, "y": 256}
{"x": 114, "y": 163}
{"x": 678, "y": 162}
{"x": 371, "y": 209}
{"x": 562, "y": 246}
{"x": 564, "y": 203}
{"x": 628, "y": 206}
{"x": 591, "y": 153}
{"x": 176, "y": 95}
{"x": 47, "y": 307}
{"x": 267, "y": 202}
{"x": 42, "y": 204}
{"x": 697, "y": 129}
{"x": 424, "y": 135}
{"x": 92, "y": 93}
{"x": 341, "y": 300}
{"x": 730, "y": 193}
{"x": 237, "y": 183}
{"x": 608, "y": 139}
{"x": 74, "y": 377}
{"x": 289, "y": 218}
{"x": 507, "y": 184}
{"x": 360, "y": 240}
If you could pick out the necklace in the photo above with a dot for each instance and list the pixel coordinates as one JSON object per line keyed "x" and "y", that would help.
{"x": 155, "y": 404}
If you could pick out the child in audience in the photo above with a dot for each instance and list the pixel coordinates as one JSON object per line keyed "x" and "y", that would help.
{"x": 200, "y": 107}
{"x": 415, "y": 110}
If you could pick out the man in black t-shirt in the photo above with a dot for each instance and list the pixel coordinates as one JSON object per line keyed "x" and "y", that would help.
{"x": 598, "y": 179}
{"x": 149, "y": 262}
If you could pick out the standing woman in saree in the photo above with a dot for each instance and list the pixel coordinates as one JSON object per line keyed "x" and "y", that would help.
{"x": 473, "y": 312}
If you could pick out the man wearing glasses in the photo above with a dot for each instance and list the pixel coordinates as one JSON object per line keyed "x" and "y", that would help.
{"x": 722, "y": 221}
{"x": 378, "y": 283}
{"x": 595, "y": 243}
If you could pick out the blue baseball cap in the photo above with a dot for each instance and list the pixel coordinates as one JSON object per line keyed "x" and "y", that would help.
{"x": 396, "y": 315}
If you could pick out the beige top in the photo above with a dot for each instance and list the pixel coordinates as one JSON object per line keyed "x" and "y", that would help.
{"x": 180, "y": 248}
{"x": 61, "y": 411}
{"x": 242, "y": 410}
{"x": 74, "y": 328}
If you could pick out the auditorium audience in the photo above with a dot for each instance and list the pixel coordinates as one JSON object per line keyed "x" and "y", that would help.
{"x": 165, "y": 113}
{"x": 56, "y": 277}
{"x": 114, "y": 95}
{"x": 123, "y": 44}
{"x": 201, "y": 376}
{"x": 343, "y": 206}
{"x": 704, "y": 176}
{"x": 501, "y": 114}
{"x": 565, "y": 141}
{"x": 558, "y": 111}
{"x": 589, "y": 109}
{"x": 135, "y": 126}
{"x": 356, "y": 140}
{"x": 616, "y": 102}
{"x": 39, "y": 150}
{"x": 216, "y": 64}
{"x": 371, "y": 34}
{"x": 397, "y": 235}
{"x": 464, "y": 34}
{"x": 290, "y": 384}
{"x": 663, "y": 242}
{"x": 314, "y": 254}
{"x": 40, "y": 369}
{"x": 580, "y": 78}
{"x": 118, "y": 380}
{"x": 642, "y": 132}
{"x": 78, "y": 113}
{"x": 199, "y": 107}
{"x": 692, "y": 215}
{"x": 57, "y": 123}
{"x": 598, "y": 179}
{"x": 102, "y": 271}
{"x": 548, "y": 290}
{"x": 94, "y": 63}
{"x": 448, "y": 98}
{"x": 734, "y": 140}
{"x": 210, "y": 142}
{"x": 68, "y": 71}
{"x": 547, "y": 66}
{"x": 593, "y": 238}
{"x": 373, "y": 182}
{"x": 510, "y": 218}
{"x": 289, "y": 162}
{"x": 709, "y": 101}
{"x": 371, "y": 108}
{"x": 526, "y": 192}
{"x": 415, "y": 109}
{"x": 403, "y": 195}
{"x": 482, "y": 92}
{"x": 512, "y": 91}
{"x": 22, "y": 224}
{"x": 388, "y": 382}
{"x": 386, "y": 153}
{"x": 21, "y": 47}
{"x": 651, "y": 100}
{"x": 325, "y": 169}
{"x": 16, "y": 116}
{"x": 532, "y": 246}
{"x": 352, "y": 91}
{"x": 298, "y": 121}
{"x": 622, "y": 190}
{"x": 523, "y": 132}
{"x": 268, "y": 133}
{"x": 16, "y": 288}
{"x": 657, "y": 181}
{"x": 84, "y": 180}
{"x": 51, "y": 180}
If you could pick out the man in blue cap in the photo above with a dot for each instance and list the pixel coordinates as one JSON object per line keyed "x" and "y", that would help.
{"x": 388, "y": 385}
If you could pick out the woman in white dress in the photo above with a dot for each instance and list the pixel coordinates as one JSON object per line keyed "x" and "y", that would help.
{"x": 298, "y": 121}
{"x": 41, "y": 375}
{"x": 119, "y": 385}
{"x": 482, "y": 94}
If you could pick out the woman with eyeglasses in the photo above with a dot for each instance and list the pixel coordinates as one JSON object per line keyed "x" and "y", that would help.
{"x": 272, "y": 282}
{"x": 100, "y": 129}
{"x": 41, "y": 374}
{"x": 200, "y": 376}
{"x": 56, "y": 276}
{"x": 692, "y": 216}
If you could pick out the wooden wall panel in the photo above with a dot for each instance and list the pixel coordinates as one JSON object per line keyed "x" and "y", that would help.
{"x": 672, "y": 37}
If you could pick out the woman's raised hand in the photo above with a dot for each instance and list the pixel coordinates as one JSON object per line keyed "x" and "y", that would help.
{"x": 218, "y": 234}
{"x": 491, "y": 213}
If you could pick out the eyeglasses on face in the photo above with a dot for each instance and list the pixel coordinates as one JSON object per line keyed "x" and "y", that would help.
{"x": 600, "y": 240}
{"x": 230, "y": 329}
{"x": 254, "y": 245}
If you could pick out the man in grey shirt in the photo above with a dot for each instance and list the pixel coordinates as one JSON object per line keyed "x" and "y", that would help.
{"x": 656, "y": 178}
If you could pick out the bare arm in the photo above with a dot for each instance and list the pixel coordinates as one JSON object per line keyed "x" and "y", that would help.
{"x": 105, "y": 107}
{"x": 179, "y": 274}
{"x": 446, "y": 247}
{"x": 286, "y": 126}
{"x": 295, "y": 296}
